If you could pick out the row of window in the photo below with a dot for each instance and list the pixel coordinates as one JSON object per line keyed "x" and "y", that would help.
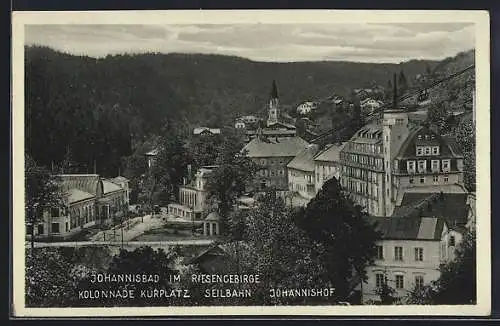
{"x": 399, "y": 281}
{"x": 435, "y": 179}
{"x": 427, "y": 150}
{"x": 298, "y": 187}
{"x": 354, "y": 186}
{"x": 271, "y": 173}
{"x": 360, "y": 173}
{"x": 369, "y": 161}
{"x": 54, "y": 228}
{"x": 422, "y": 166}
{"x": 398, "y": 253}
{"x": 365, "y": 148}
{"x": 269, "y": 161}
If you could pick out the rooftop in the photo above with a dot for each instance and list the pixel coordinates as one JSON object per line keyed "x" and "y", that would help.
{"x": 201, "y": 130}
{"x": 304, "y": 161}
{"x": 409, "y": 228}
{"x": 275, "y": 147}
{"x": 331, "y": 153}
{"x": 76, "y": 195}
{"x": 452, "y": 207}
{"x": 109, "y": 186}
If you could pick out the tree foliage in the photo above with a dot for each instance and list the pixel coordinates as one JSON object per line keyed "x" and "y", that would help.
{"x": 338, "y": 224}
{"x": 41, "y": 192}
{"x": 457, "y": 283}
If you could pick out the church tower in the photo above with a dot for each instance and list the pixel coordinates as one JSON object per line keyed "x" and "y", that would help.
{"x": 273, "y": 105}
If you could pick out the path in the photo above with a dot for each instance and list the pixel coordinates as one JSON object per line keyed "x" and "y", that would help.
{"x": 138, "y": 226}
{"x": 126, "y": 244}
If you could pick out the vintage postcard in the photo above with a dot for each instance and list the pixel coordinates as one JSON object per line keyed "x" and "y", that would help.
{"x": 212, "y": 163}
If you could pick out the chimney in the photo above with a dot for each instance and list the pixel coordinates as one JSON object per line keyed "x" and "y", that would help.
{"x": 189, "y": 171}
{"x": 184, "y": 181}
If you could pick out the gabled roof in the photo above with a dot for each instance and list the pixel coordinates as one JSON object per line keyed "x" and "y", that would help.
{"x": 275, "y": 147}
{"x": 201, "y": 130}
{"x": 213, "y": 216}
{"x": 109, "y": 186}
{"x": 409, "y": 228}
{"x": 452, "y": 207}
{"x": 448, "y": 146}
{"x": 304, "y": 161}
{"x": 331, "y": 153}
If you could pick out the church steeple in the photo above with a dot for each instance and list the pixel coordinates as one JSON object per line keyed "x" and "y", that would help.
{"x": 273, "y": 114}
{"x": 274, "y": 90}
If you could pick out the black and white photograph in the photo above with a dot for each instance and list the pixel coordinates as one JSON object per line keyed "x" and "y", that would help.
{"x": 313, "y": 162}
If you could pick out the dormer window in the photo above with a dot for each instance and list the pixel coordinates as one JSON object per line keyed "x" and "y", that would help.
{"x": 435, "y": 150}
{"x": 419, "y": 137}
{"x": 427, "y": 151}
{"x": 420, "y": 151}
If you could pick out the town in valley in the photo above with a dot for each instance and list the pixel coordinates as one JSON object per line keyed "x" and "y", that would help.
{"x": 358, "y": 194}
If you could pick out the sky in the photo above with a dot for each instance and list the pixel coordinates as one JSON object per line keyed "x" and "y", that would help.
{"x": 368, "y": 42}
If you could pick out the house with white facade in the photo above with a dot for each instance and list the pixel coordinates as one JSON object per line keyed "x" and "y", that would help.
{"x": 423, "y": 233}
{"x": 301, "y": 175}
{"x": 327, "y": 164}
{"x": 306, "y": 107}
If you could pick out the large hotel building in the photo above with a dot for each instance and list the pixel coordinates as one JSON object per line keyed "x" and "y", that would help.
{"x": 386, "y": 159}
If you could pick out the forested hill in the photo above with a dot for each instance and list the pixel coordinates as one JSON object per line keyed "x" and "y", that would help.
{"x": 95, "y": 109}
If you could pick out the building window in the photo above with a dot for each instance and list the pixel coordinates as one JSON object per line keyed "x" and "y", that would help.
{"x": 419, "y": 281}
{"x": 435, "y": 178}
{"x": 427, "y": 151}
{"x": 419, "y": 254}
{"x": 411, "y": 180}
{"x": 446, "y": 165}
{"x": 410, "y": 166}
{"x": 380, "y": 252}
{"x": 445, "y": 178}
{"x": 435, "y": 150}
{"x": 420, "y": 151}
{"x": 379, "y": 280}
{"x": 398, "y": 253}
{"x": 400, "y": 282}
{"x": 40, "y": 229}
{"x": 435, "y": 165}
{"x": 452, "y": 241}
{"x": 422, "y": 179}
{"x": 422, "y": 166}
{"x": 55, "y": 227}
{"x": 54, "y": 212}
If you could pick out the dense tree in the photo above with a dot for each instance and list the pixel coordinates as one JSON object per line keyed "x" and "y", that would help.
{"x": 49, "y": 281}
{"x": 457, "y": 283}
{"x": 336, "y": 222}
{"x": 228, "y": 182}
{"x": 466, "y": 137}
{"x": 402, "y": 83}
{"x": 42, "y": 192}
{"x": 141, "y": 261}
{"x": 438, "y": 116}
